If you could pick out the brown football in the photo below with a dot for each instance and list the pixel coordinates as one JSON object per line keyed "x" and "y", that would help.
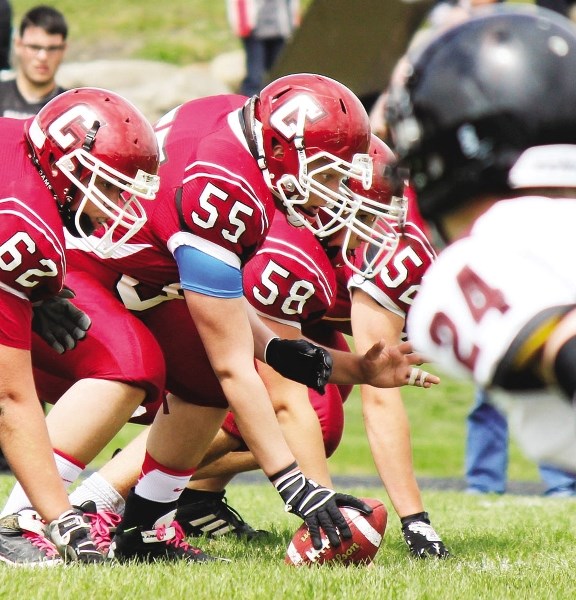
{"x": 367, "y": 533}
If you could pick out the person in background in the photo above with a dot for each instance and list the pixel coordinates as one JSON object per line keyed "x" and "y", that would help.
{"x": 5, "y": 34}
{"x": 39, "y": 49}
{"x": 487, "y": 454}
{"x": 263, "y": 26}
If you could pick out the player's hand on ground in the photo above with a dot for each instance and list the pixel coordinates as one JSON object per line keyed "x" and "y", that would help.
{"x": 393, "y": 366}
{"x": 59, "y": 322}
{"x": 300, "y": 361}
{"x": 421, "y": 538}
{"x": 318, "y": 506}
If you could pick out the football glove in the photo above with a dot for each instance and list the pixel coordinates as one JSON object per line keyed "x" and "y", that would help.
{"x": 59, "y": 322}
{"x": 316, "y": 505}
{"x": 300, "y": 361}
{"x": 421, "y": 538}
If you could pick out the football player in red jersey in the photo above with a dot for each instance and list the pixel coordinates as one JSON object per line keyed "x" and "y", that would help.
{"x": 371, "y": 308}
{"x": 66, "y": 165}
{"x": 294, "y": 285}
{"x": 226, "y": 163}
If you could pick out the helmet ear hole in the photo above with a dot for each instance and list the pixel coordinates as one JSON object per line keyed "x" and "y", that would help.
{"x": 277, "y": 149}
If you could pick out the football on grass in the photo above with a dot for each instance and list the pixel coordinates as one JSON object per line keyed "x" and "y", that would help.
{"x": 367, "y": 533}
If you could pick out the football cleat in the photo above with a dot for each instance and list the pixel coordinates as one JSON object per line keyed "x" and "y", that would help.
{"x": 213, "y": 517}
{"x": 422, "y": 539}
{"x": 23, "y": 544}
{"x": 103, "y": 525}
{"x": 70, "y": 533}
{"x": 165, "y": 542}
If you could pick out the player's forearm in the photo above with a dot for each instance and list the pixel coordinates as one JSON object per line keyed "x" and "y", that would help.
{"x": 347, "y": 368}
{"x": 257, "y": 421}
{"x": 261, "y": 333}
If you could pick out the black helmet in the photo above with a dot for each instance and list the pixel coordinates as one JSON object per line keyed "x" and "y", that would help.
{"x": 480, "y": 94}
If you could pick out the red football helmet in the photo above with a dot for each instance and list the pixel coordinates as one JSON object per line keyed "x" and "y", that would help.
{"x": 381, "y": 213}
{"x": 303, "y": 118}
{"x": 89, "y": 133}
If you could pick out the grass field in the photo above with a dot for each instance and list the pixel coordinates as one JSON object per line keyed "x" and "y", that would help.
{"x": 175, "y": 31}
{"x": 505, "y": 547}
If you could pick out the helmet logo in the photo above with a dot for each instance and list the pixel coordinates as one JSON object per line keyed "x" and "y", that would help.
{"x": 470, "y": 143}
{"x": 65, "y": 129}
{"x": 289, "y": 118}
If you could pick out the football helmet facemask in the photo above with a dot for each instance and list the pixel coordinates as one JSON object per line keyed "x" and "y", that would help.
{"x": 381, "y": 213}
{"x": 487, "y": 107}
{"x": 308, "y": 128}
{"x": 89, "y": 134}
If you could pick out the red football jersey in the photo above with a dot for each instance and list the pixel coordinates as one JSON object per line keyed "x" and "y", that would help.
{"x": 290, "y": 279}
{"x": 32, "y": 260}
{"x": 212, "y": 196}
{"x": 398, "y": 282}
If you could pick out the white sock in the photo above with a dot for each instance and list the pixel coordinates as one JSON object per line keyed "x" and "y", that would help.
{"x": 160, "y": 486}
{"x": 18, "y": 499}
{"x": 69, "y": 471}
{"x": 96, "y": 488}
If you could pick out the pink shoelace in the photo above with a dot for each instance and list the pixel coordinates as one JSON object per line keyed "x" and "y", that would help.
{"x": 102, "y": 524}
{"x": 178, "y": 539}
{"x": 42, "y": 543}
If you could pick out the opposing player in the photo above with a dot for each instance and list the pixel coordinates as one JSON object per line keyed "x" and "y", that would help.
{"x": 495, "y": 174}
{"x": 225, "y": 160}
{"x": 63, "y": 166}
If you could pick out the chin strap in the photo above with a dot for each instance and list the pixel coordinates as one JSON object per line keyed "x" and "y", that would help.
{"x": 67, "y": 214}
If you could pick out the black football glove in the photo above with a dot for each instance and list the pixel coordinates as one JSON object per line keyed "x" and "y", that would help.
{"x": 316, "y": 505}
{"x": 300, "y": 361}
{"x": 421, "y": 538}
{"x": 59, "y": 322}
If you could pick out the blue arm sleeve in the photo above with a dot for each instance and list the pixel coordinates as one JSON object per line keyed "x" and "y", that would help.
{"x": 202, "y": 273}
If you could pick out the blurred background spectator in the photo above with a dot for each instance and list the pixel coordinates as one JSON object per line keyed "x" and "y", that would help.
{"x": 487, "y": 455}
{"x": 264, "y": 26}
{"x": 5, "y": 34}
{"x": 39, "y": 48}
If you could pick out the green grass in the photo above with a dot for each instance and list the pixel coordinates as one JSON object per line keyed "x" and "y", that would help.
{"x": 505, "y": 547}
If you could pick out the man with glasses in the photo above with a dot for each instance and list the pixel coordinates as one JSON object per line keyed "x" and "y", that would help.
{"x": 39, "y": 48}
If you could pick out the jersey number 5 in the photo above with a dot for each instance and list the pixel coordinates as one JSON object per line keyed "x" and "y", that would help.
{"x": 294, "y": 301}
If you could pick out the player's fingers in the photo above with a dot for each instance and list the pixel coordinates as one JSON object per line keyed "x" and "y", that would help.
{"x": 314, "y": 529}
{"x": 419, "y": 378}
{"x": 329, "y": 521}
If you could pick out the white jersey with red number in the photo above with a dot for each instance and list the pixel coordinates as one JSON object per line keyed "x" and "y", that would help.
{"x": 518, "y": 260}
{"x": 290, "y": 279}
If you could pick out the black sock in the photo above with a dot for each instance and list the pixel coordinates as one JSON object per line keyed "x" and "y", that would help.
{"x": 140, "y": 511}
{"x": 189, "y": 496}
